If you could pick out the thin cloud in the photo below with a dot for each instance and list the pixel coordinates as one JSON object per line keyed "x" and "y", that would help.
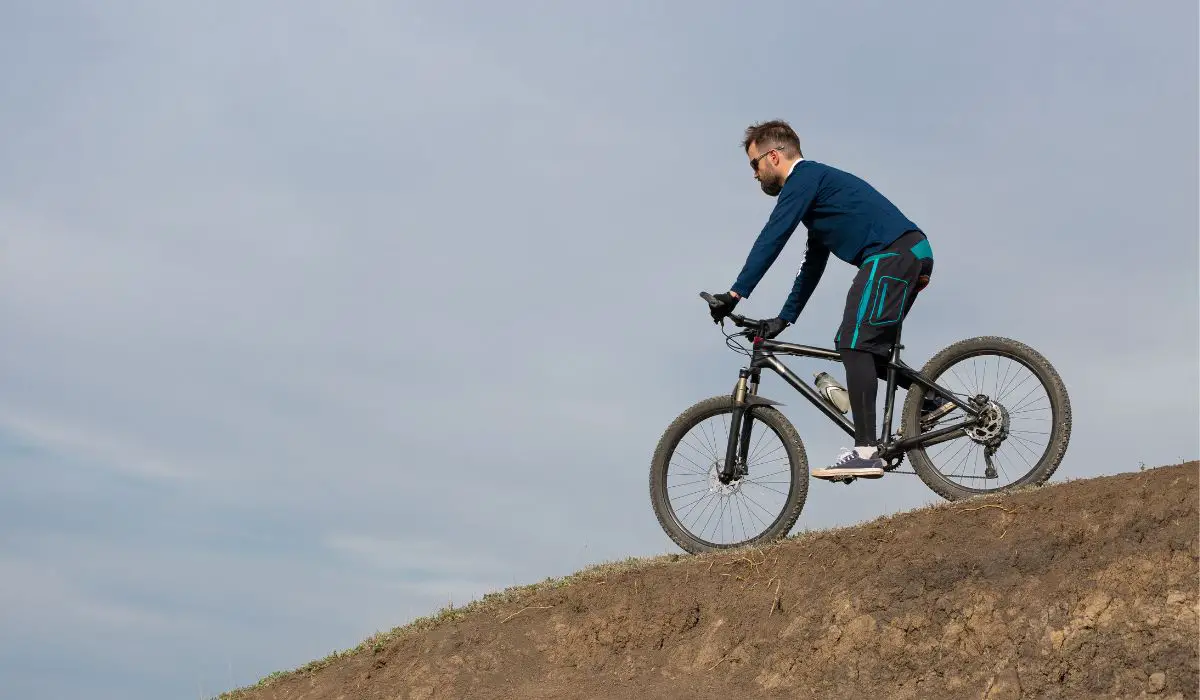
{"x": 106, "y": 449}
{"x": 339, "y": 302}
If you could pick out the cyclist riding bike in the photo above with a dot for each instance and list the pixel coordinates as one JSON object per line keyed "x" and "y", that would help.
{"x": 849, "y": 218}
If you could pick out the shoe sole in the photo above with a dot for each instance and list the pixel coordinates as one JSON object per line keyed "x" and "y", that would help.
{"x": 862, "y": 473}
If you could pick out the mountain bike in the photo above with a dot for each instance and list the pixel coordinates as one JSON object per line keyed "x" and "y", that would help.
{"x": 720, "y": 477}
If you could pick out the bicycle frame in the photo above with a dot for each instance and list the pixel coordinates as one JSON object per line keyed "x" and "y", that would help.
{"x": 766, "y": 354}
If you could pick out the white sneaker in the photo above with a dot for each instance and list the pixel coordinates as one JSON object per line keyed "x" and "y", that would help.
{"x": 860, "y": 462}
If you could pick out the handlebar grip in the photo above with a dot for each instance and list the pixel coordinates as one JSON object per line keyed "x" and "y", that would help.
{"x": 738, "y": 320}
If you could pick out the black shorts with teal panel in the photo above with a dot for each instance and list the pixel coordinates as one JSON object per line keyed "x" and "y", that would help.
{"x": 882, "y": 294}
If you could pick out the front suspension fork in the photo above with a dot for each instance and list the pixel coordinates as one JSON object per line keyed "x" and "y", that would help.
{"x": 740, "y": 426}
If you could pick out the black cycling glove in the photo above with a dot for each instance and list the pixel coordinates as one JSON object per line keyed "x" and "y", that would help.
{"x": 775, "y": 326}
{"x": 725, "y": 304}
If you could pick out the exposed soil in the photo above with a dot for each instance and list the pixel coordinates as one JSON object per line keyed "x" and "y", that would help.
{"x": 1085, "y": 589}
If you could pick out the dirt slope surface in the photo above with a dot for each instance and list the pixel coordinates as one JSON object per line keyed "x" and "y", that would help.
{"x": 1086, "y": 589}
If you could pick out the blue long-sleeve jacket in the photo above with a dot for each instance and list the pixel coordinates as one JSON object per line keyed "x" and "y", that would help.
{"x": 844, "y": 216}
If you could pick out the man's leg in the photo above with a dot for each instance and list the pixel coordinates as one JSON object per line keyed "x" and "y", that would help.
{"x": 863, "y": 389}
{"x": 880, "y": 296}
{"x": 924, "y": 273}
{"x": 861, "y": 382}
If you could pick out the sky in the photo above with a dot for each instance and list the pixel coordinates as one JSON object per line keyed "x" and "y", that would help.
{"x": 317, "y": 317}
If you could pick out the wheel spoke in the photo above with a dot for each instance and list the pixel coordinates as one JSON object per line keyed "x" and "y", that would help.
{"x": 724, "y": 515}
{"x": 1014, "y": 426}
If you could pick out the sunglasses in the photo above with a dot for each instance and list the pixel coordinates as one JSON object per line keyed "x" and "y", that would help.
{"x": 754, "y": 161}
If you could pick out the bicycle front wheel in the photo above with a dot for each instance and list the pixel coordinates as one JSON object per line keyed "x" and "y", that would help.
{"x": 701, "y": 514}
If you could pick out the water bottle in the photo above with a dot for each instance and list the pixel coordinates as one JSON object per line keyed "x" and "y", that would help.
{"x": 832, "y": 392}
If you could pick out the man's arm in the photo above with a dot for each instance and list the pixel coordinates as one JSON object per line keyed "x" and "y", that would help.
{"x": 815, "y": 257}
{"x": 793, "y": 203}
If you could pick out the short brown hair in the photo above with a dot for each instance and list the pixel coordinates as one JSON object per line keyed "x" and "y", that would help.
{"x": 773, "y": 134}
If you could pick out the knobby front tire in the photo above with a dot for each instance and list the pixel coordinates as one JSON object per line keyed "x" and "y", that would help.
{"x": 796, "y": 472}
{"x": 1017, "y": 354}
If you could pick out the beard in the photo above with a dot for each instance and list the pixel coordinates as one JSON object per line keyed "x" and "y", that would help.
{"x": 771, "y": 186}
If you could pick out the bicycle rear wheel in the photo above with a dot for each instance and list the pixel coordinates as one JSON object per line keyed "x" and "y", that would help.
{"x": 1026, "y": 426}
{"x": 693, "y": 446}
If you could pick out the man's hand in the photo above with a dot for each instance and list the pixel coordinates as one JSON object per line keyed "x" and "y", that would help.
{"x": 726, "y": 302}
{"x": 775, "y": 326}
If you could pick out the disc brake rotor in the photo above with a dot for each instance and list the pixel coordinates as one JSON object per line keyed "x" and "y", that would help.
{"x": 992, "y": 427}
{"x": 715, "y": 485}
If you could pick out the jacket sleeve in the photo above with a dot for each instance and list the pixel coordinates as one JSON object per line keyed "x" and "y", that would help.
{"x": 815, "y": 257}
{"x": 794, "y": 201}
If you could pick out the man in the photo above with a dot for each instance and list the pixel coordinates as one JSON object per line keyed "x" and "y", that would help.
{"x": 847, "y": 217}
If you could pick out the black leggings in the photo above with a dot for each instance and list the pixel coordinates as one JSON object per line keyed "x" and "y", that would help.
{"x": 862, "y": 369}
{"x": 881, "y": 296}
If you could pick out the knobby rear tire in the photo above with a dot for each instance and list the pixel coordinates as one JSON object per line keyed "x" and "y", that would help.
{"x": 701, "y": 411}
{"x": 1042, "y": 369}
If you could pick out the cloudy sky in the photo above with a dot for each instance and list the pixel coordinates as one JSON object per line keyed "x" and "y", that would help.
{"x": 318, "y": 316}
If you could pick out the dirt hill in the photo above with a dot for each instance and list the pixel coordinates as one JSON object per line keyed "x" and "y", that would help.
{"x": 1084, "y": 589}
